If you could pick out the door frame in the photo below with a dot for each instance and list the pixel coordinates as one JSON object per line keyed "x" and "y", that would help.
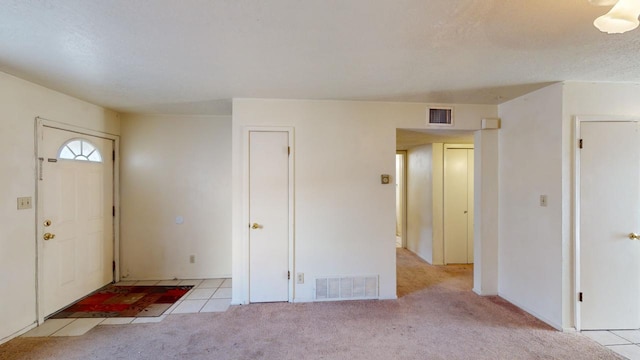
{"x": 245, "y": 206}
{"x": 403, "y": 196}
{"x": 578, "y": 120}
{"x": 39, "y": 125}
{"x": 444, "y": 184}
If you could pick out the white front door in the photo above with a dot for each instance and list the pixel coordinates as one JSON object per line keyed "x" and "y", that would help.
{"x": 458, "y": 206}
{"x": 609, "y": 213}
{"x": 268, "y": 216}
{"x": 76, "y": 222}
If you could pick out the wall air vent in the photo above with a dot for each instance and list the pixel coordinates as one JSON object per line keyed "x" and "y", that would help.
{"x": 346, "y": 288}
{"x": 440, "y": 116}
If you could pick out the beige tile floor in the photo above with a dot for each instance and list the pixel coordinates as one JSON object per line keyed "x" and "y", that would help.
{"x": 210, "y": 295}
{"x": 624, "y": 342}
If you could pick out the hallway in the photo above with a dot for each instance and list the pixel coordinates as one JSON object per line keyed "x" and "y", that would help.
{"x": 414, "y": 275}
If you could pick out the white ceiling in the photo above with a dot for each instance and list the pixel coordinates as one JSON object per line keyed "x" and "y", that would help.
{"x": 193, "y": 56}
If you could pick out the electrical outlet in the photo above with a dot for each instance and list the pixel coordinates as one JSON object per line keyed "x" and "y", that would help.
{"x": 192, "y": 259}
{"x": 300, "y": 278}
{"x": 24, "y": 203}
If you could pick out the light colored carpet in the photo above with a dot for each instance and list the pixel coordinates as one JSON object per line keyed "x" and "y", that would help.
{"x": 436, "y": 317}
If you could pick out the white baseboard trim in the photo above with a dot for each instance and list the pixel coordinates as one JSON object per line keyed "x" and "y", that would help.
{"x": 421, "y": 256}
{"x": 544, "y": 319}
{"x": 238, "y": 302}
{"x": 18, "y": 333}
{"x": 484, "y": 294}
{"x": 302, "y": 300}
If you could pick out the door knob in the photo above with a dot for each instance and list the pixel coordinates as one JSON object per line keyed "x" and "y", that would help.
{"x": 48, "y": 236}
{"x": 634, "y": 236}
{"x": 256, "y": 226}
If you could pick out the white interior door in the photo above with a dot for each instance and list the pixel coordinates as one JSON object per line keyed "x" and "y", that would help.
{"x": 458, "y": 206}
{"x": 268, "y": 216}
{"x": 609, "y": 212}
{"x": 76, "y": 223}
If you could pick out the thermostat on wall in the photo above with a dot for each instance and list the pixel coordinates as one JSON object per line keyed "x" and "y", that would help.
{"x": 385, "y": 178}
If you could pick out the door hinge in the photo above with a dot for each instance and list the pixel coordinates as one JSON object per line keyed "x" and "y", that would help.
{"x": 289, "y": 150}
{"x": 288, "y": 275}
{"x": 114, "y": 266}
{"x": 113, "y": 210}
{"x": 580, "y": 143}
{"x": 41, "y": 160}
{"x": 113, "y": 155}
{"x": 580, "y": 296}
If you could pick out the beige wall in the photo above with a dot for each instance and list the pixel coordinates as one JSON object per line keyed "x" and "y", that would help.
{"x": 425, "y": 202}
{"x": 536, "y": 246}
{"x": 530, "y": 248}
{"x": 419, "y": 201}
{"x": 20, "y": 103}
{"x": 345, "y": 219}
{"x": 175, "y": 166}
{"x": 486, "y": 202}
{"x": 179, "y": 166}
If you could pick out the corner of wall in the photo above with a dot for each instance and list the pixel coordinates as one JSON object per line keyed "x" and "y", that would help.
{"x": 438, "y": 203}
{"x": 531, "y": 238}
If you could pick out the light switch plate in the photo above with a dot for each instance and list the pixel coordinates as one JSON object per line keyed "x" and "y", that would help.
{"x": 24, "y": 203}
{"x": 543, "y": 200}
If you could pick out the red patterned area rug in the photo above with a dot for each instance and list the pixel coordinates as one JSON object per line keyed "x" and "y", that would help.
{"x": 125, "y": 301}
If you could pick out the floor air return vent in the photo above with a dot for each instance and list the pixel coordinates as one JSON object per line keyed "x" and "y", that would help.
{"x": 347, "y": 288}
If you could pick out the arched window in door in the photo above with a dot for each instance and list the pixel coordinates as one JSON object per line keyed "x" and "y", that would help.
{"x": 79, "y": 149}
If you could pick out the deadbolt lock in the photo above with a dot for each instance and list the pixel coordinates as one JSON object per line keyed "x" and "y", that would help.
{"x": 47, "y": 223}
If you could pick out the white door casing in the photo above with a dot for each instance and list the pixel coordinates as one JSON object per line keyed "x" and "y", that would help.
{"x": 608, "y": 194}
{"x": 77, "y": 198}
{"x": 401, "y": 195}
{"x": 458, "y": 205}
{"x": 470, "y": 204}
{"x": 269, "y": 209}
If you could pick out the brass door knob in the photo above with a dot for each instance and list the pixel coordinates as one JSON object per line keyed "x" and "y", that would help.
{"x": 48, "y": 236}
{"x": 256, "y": 226}
{"x": 634, "y": 236}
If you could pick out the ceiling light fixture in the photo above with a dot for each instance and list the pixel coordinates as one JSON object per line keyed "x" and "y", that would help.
{"x": 622, "y": 17}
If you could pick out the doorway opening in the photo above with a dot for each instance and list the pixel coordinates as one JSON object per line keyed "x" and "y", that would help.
{"x": 425, "y": 180}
